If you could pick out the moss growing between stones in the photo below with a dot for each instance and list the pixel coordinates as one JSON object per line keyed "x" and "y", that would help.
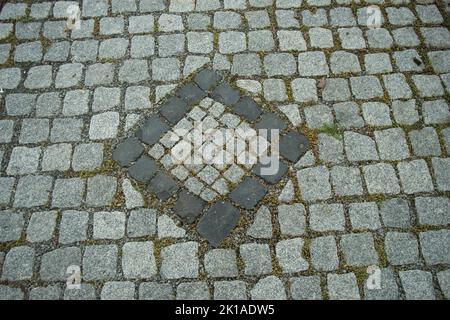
{"x": 158, "y": 245}
{"x": 109, "y": 166}
{"x": 332, "y": 130}
{"x": 379, "y": 247}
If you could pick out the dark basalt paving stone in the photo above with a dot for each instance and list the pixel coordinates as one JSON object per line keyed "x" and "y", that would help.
{"x": 144, "y": 169}
{"x": 207, "y": 79}
{"x": 271, "y": 178}
{"x": 293, "y": 145}
{"x": 188, "y": 206}
{"x": 271, "y": 121}
{"x": 248, "y": 193}
{"x": 152, "y": 130}
{"x": 191, "y": 93}
{"x": 163, "y": 186}
{"x": 225, "y": 94}
{"x": 127, "y": 151}
{"x": 174, "y": 109}
{"x": 248, "y": 109}
{"x": 218, "y": 222}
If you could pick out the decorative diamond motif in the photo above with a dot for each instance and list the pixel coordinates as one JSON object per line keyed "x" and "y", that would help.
{"x": 210, "y": 148}
{"x": 209, "y": 160}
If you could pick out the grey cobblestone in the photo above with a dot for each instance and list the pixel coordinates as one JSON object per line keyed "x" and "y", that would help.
{"x": 180, "y": 261}
{"x": 32, "y": 191}
{"x": 45, "y": 293}
{"x": 41, "y": 226}
{"x": 68, "y": 193}
{"x": 314, "y": 183}
{"x": 441, "y": 169}
{"x": 405, "y": 112}
{"x": 417, "y": 284}
{"x": 389, "y": 289}
{"x": 57, "y": 157}
{"x": 415, "y": 177}
{"x": 256, "y": 258}
{"x": 346, "y": 181}
{"x": 87, "y": 156}
{"x": 324, "y": 256}
{"x": 435, "y": 112}
{"x": 54, "y": 264}
{"x": 230, "y": 290}
{"x": 221, "y": 263}
{"x": 18, "y": 264}
{"x": 326, "y": 217}
{"x": 401, "y": 248}
{"x": 434, "y": 246}
{"x": 118, "y": 290}
{"x": 155, "y": 291}
{"x": 364, "y": 215}
{"x": 292, "y": 219}
{"x": 73, "y": 226}
{"x": 193, "y": 291}
{"x": 392, "y": 144}
{"x": 396, "y": 213}
{"x": 109, "y": 225}
{"x": 330, "y": 149}
{"x": 343, "y": 286}
{"x": 381, "y": 178}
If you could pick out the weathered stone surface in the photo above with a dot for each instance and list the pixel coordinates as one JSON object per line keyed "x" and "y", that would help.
{"x": 342, "y": 286}
{"x": 221, "y": 263}
{"x": 41, "y": 226}
{"x": 418, "y": 285}
{"x": 248, "y": 193}
{"x": 218, "y": 221}
{"x": 230, "y": 290}
{"x": 18, "y": 264}
{"x": 262, "y": 224}
{"x": 118, "y": 290}
{"x": 324, "y": 256}
{"x": 73, "y": 226}
{"x": 256, "y": 258}
{"x": 180, "y": 261}
{"x": 293, "y": 145}
{"x": 326, "y": 217}
{"x": 269, "y": 288}
{"x": 155, "y": 291}
{"x": 289, "y": 257}
{"x": 193, "y": 291}
{"x": 127, "y": 151}
{"x": 168, "y": 228}
{"x": 143, "y": 169}
{"x": 292, "y": 219}
{"x": 435, "y": 246}
{"x": 54, "y": 264}
{"x": 138, "y": 261}
{"x": 389, "y": 289}
{"x": 100, "y": 262}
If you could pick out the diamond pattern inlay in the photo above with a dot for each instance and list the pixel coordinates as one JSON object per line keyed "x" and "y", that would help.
{"x": 209, "y": 147}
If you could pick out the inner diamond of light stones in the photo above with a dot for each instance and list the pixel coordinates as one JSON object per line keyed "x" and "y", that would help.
{"x": 214, "y": 176}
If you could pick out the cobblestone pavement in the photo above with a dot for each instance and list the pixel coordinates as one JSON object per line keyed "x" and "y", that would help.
{"x": 86, "y": 119}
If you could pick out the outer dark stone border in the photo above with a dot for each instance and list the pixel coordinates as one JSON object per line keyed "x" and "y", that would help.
{"x": 219, "y": 219}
